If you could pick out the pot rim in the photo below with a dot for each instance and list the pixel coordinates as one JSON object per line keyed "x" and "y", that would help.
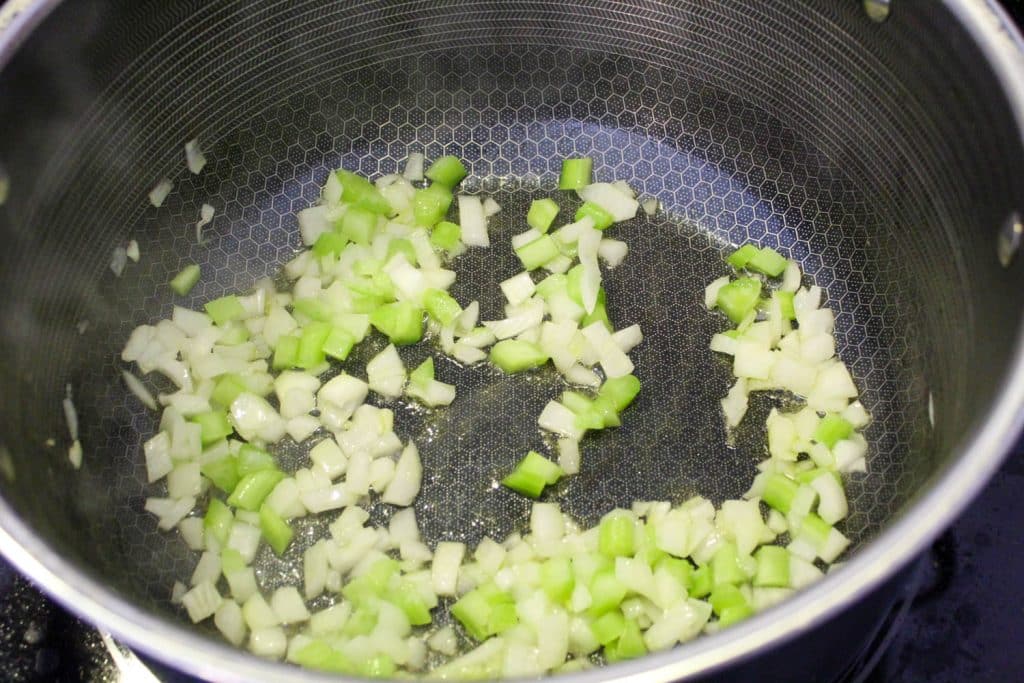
{"x": 977, "y": 458}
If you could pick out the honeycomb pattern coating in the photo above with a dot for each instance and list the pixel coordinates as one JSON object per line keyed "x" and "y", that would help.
{"x": 724, "y": 174}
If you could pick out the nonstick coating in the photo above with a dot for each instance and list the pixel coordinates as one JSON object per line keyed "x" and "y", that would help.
{"x": 800, "y": 126}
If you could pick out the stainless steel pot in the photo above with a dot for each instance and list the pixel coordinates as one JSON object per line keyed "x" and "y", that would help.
{"x": 881, "y": 148}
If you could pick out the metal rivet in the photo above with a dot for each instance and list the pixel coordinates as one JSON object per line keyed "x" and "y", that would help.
{"x": 1009, "y": 239}
{"x": 878, "y": 10}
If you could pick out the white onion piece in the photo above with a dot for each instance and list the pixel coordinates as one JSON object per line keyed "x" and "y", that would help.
{"x": 408, "y": 474}
{"x": 194, "y": 157}
{"x": 621, "y": 205}
{"x": 612, "y": 252}
{"x": 229, "y": 621}
{"x": 118, "y": 260}
{"x": 132, "y": 251}
{"x": 206, "y": 212}
{"x": 444, "y": 571}
{"x": 518, "y": 288}
{"x": 160, "y": 191}
{"x": 413, "y": 171}
{"x": 650, "y": 205}
{"x": 472, "y": 221}
{"x": 202, "y": 601}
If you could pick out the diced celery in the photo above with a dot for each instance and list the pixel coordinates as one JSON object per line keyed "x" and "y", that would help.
{"x": 362, "y": 621}
{"x": 311, "y": 344}
{"x": 532, "y": 474}
{"x": 233, "y": 334}
{"x": 401, "y": 322}
{"x": 441, "y": 306}
{"x": 254, "y": 488}
{"x": 573, "y": 282}
{"x": 430, "y": 204}
{"x": 682, "y": 570}
{"x": 557, "y": 580}
{"x": 408, "y": 599}
{"x": 772, "y": 566}
{"x": 358, "y": 225}
{"x": 606, "y": 592}
{"x": 608, "y": 627}
{"x": 734, "y": 613}
{"x": 275, "y": 529}
{"x": 360, "y": 192}
{"x": 312, "y": 308}
{"x": 218, "y": 520}
{"x": 329, "y": 243}
{"x": 725, "y": 565}
{"x": 447, "y": 171}
{"x": 832, "y": 429}
{"x": 225, "y": 309}
{"x": 779, "y": 492}
{"x": 724, "y": 596}
{"x": 701, "y": 582}
{"x": 252, "y": 459}
{"x": 213, "y": 426}
{"x": 630, "y": 644}
{"x": 184, "y": 281}
{"x": 322, "y": 657}
{"x": 602, "y": 219}
{"x": 542, "y": 214}
{"x": 223, "y": 473}
{"x": 620, "y": 391}
{"x": 786, "y": 305}
{"x": 423, "y": 374}
{"x": 338, "y": 344}
{"x": 599, "y": 312}
{"x": 767, "y": 261}
{"x": 616, "y": 534}
{"x": 538, "y": 252}
{"x": 446, "y": 235}
{"x": 286, "y": 352}
{"x": 556, "y": 282}
{"x": 739, "y": 297}
{"x": 402, "y": 246}
{"x": 516, "y": 355}
{"x": 576, "y": 173}
{"x": 378, "y": 666}
{"x": 739, "y": 258}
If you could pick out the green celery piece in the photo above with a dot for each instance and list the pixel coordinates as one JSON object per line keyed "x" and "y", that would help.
{"x": 320, "y": 656}
{"x": 218, "y": 520}
{"x": 725, "y": 566}
{"x": 555, "y": 282}
{"x": 739, "y": 258}
{"x": 739, "y": 297}
{"x": 338, "y": 344}
{"x": 779, "y": 492}
{"x": 576, "y": 402}
{"x": 362, "y": 622}
{"x": 681, "y": 569}
{"x": 311, "y": 344}
{"x": 233, "y": 334}
{"x": 538, "y": 252}
{"x": 446, "y": 235}
{"x": 724, "y": 596}
{"x": 786, "y": 304}
{"x": 252, "y": 459}
{"x": 402, "y": 246}
{"x": 701, "y": 582}
{"x": 599, "y": 312}
{"x": 401, "y": 322}
{"x": 213, "y": 426}
{"x": 532, "y": 474}
{"x": 407, "y": 598}
{"x": 616, "y": 534}
{"x": 772, "y": 566}
{"x": 227, "y": 389}
{"x": 576, "y": 173}
{"x": 329, "y": 243}
{"x": 286, "y": 352}
{"x": 447, "y": 171}
{"x": 647, "y": 547}
{"x": 768, "y": 261}
{"x": 502, "y": 617}
{"x": 557, "y": 580}
{"x": 223, "y": 473}
{"x": 423, "y": 374}
{"x": 254, "y": 488}
{"x": 430, "y": 204}
{"x": 734, "y": 613}
{"x": 358, "y": 225}
{"x": 367, "y": 267}
{"x": 807, "y": 476}
{"x": 573, "y": 281}
{"x": 516, "y": 355}
{"x": 606, "y": 592}
{"x": 815, "y": 529}
{"x": 630, "y": 644}
{"x": 605, "y": 408}
{"x": 602, "y": 219}
{"x": 184, "y": 281}
{"x": 225, "y": 309}
{"x": 361, "y": 193}
{"x": 275, "y": 529}
{"x": 378, "y": 666}
{"x": 312, "y": 308}
{"x": 441, "y": 306}
{"x": 620, "y": 391}
{"x": 542, "y": 214}
{"x": 832, "y": 429}
{"x": 231, "y": 561}
{"x": 473, "y": 611}
{"x": 608, "y": 627}
{"x": 373, "y": 583}
{"x": 529, "y": 485}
